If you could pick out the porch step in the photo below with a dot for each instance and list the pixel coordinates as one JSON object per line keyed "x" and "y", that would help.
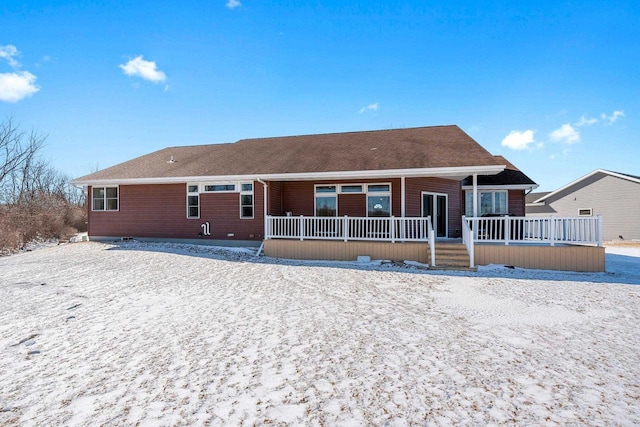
{"x": 452, "y": 268}
{"x": 451, "y": 256}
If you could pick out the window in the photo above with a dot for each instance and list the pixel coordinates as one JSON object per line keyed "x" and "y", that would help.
{"x": 489, "y": 202}
{"x": 104, "y": 198}
{"x": 326, "y": 200}
{"x": 351, "y": 188}
{"x": 379, "y": 200}
{"x": 219, "y": 187}
{"x": 325, "y": 188}
{"x": 193, "y": 201}
{"x": 379, "y": 188}
{"x": 585, "y": 212}
{"x": 246, "y": 201}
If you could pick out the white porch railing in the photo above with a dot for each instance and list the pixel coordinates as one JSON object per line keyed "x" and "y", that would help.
{"x": 467, "y": 239}
{"x": 550, "y": 230}
{"x": 347, "y": 228}
{"x": 545, "y": 230}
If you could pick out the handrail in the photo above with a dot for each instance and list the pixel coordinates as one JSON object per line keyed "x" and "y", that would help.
{"x": 467, "y": 239}
{"x": 432, "y": 242}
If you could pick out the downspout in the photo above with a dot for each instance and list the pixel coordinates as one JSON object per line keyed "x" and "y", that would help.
{"x": 264, "y": 202}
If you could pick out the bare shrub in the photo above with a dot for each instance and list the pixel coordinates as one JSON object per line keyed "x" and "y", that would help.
{"x": 36, "y": 201}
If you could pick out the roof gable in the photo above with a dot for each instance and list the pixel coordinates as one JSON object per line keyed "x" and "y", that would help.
{"x": 627, "y": 177}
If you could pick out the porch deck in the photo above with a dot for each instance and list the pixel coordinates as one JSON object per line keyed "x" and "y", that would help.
{"x": 553, "y": 243}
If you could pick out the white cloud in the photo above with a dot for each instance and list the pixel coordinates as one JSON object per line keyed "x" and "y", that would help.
{"x": 370, "y": 107}
{"x": 232, "y": 4}
{"x": 613, "y": 117}
{"x": 566, "y": 134}
{"x": 7, "y": 53}
{"x": 584, "y": 121}
{"x": 17, "y": 86}
{"x": 144, "y": 69}
{"x": 518, "y": 140}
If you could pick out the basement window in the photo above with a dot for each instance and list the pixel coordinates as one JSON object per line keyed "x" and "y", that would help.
{"x": 104, "y": 198}
{"x": 585, "y": 212}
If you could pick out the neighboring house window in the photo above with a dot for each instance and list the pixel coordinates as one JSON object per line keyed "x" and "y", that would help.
{"x": 193, "y": 201}
{"x": 326, "y": 200}
{"x": 490, "y": 202}
{"x": 379, "y": 200}
{"x": 246, "y": 201}
{"x": 104, "y": 198}
{"x": 585, "y": 212}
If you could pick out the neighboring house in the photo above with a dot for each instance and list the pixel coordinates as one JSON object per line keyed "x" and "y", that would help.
{"x": 613, "y": 195}
{"x": 386, "y": 194}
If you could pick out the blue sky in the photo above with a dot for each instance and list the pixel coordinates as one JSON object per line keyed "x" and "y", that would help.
{"x": 554, "y": 86}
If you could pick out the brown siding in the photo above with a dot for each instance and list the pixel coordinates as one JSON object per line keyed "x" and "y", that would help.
{"x": 298, "y": 198}
{"x": 275, "y": 198}
{"x": 414, "y": 188}
{"x": 516, "y": 202}
{"x": 352, "y": 205}
{"x": 159, "y": 211}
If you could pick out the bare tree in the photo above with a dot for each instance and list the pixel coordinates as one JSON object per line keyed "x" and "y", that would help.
{"x": 16, "y": 148}
{"x": 36, "y": 200}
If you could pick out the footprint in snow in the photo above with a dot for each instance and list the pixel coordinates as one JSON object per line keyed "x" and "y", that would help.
{"x": 25, "y": 340}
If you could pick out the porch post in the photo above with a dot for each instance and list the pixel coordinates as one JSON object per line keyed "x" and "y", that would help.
{"x": 264, "y": 202}
{"x": 475, "y": 195}
{"x": 402, "y": 207}
{"x": 402, "y": 197}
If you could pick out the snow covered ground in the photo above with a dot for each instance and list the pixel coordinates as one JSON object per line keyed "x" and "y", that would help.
{"x": 160, "y": 334}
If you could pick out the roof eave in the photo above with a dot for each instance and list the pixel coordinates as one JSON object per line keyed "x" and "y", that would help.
{"x": 459, "y": 172}
{"x": 503, "y": 187}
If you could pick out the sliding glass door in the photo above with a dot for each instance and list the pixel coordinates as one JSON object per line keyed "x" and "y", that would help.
{"x": 435, "y": 205}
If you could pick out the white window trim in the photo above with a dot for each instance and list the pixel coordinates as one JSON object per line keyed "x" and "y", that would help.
{"x": 369, "y": 184}
{"x": 362, "y": 188}
{"x": 324, "y": 194}
{"x": 380, "y": 194}
{"x": 253, "y": 200}
{"x": 585, "y": 209}
{"x": 205, "y": 184}
{"x": 493, "y": 199}
{"x": 187, "y": 200}
{"x": 446, "y": 219}
{"x": 117, "y": 187}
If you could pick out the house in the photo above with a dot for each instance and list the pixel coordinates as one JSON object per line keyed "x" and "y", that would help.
{"x": 614, "y": 196}
{"x": 387, "y": 193}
